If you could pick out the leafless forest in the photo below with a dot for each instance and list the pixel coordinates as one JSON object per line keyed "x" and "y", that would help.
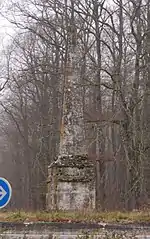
{"x": 112, "y": 39}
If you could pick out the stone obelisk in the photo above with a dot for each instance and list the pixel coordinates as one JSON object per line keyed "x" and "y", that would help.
{"x": 71, "y": 176}
{"x": 72, "y": 141}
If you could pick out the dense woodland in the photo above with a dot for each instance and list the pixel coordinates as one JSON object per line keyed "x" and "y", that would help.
{"x": 112, "y": 39}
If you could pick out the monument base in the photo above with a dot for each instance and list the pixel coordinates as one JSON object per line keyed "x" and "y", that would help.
{"x": 71, "y": 183}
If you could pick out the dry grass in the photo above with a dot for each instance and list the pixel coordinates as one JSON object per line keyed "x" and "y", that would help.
{"x": 61, "y": 216}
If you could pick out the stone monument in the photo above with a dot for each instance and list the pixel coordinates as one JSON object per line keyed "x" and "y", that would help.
{"x": 71, "y": 180}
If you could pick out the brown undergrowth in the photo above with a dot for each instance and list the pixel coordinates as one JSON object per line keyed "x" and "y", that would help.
{"x": 75, "y": 216}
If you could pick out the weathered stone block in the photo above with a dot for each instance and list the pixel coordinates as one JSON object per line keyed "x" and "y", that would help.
{"x": 71, "y": 183}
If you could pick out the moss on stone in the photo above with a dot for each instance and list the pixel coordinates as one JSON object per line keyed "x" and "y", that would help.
{"x": 79, "y": 161}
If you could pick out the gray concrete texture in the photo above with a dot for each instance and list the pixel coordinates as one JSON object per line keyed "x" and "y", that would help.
{"x": 72, "y": 231}
{"x": 68, "y": 236}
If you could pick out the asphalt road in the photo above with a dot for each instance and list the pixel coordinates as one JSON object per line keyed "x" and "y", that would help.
{"x": 58, "y": 230}
{"x": 65, "y": 236}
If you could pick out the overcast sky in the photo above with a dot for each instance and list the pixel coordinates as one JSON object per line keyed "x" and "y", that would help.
{"x": 6, "y": 28}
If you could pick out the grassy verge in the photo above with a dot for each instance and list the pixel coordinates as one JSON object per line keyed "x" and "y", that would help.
{"x": 61, "y": 216}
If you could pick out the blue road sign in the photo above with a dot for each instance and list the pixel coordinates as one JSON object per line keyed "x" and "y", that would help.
{"x": 5, "y": 192}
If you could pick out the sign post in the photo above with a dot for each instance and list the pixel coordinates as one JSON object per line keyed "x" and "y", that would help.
{"x": 5, "y": 192}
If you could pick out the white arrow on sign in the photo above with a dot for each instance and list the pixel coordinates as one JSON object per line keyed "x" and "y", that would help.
{"x": 2, "y": 193}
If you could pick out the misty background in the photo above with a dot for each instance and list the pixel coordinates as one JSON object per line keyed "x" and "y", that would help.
{"x": 112, "y": 41}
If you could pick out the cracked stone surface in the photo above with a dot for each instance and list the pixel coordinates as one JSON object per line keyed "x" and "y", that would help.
{"x": 71, "y": 183}
{"x": 72, "y": 128}
{"x": 71, "y": 177}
